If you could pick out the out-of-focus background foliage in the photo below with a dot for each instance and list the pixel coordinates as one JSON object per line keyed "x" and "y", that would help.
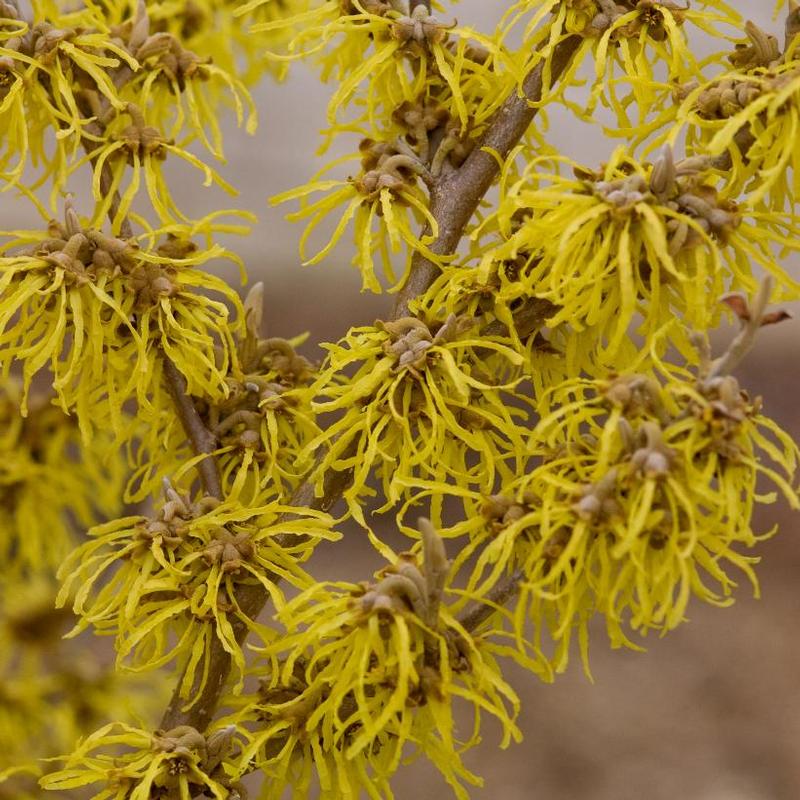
{"x": 712, "y": 712}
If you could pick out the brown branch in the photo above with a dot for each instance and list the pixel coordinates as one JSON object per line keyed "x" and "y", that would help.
{"x": 454, "y": 200}
{"x": 499, "y": 596}
{"x": 201, "y": 439}
{"x": 455, "y": 197}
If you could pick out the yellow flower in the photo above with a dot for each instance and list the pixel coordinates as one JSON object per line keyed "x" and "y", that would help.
{"x": 652, "y": 240}
{"x": 175, "y": 82}
{"x": 39, "y": 90}
{"x": 143, "y": 148}
{"x": 47, "y": 476}
{"x": 268, "y": 421}
{"x": 625, "y": 39}
{"x": 393, "y": 49}
{"x": 164, "y": 585}
{"x": 91, "y": 306}
{"x": 751, "y": 115}
{"x": 181, "y": 762}
{"x": 425, "y": 399}
{"x": 384, "y": 195}
{"x": 643, "y": 498}
{"x": 366, "y": 670}
{"x": 262, "y": 426}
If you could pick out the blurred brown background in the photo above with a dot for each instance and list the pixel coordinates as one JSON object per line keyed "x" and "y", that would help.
{"x": 710, "y": 713}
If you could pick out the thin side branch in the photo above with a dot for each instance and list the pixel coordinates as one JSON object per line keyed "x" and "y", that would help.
{"x": 499, "y": 596}
{"x": 746, "y": 338}
{"x": 201, "y": 439}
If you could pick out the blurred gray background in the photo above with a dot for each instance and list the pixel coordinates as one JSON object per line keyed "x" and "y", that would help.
{"x": 712, "y": 712}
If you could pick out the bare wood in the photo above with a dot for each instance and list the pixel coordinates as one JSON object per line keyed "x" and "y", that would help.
{"x": 201, "y": 439}
{"x": 498, "y": 596}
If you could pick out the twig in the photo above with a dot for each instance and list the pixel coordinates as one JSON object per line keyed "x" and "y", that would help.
{"x": 745, "y": 339}
{"x": 201, "y": 439}
{"x": 497, "y": 597}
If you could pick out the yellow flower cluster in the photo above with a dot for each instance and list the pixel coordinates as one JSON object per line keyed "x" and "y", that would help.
{"x": 423, "y": 402}
{"x": 96, "y": 83}
{"x": 385, "y": 204}
{"x": 50, "y": 482}
{"x": 629, "y": 41}
{"x": 262, "y": 426}
{"x": 103, "y": 312}
{"x": 39, "y": 61}
{"x": 165, "y": 585}
{"x": 644, "y": 491}
{"x": 179, "y": 763}
{"x": 431, "y": 82}
{"x": 399, "y": 49}
{"x": 364, "y": 671}
{"x": 656, "y": 241}
{"x": 751, "y": 114}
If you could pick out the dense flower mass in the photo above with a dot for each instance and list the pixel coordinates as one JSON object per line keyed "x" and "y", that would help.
{"x": 425, "y": 401}
{"x": 633, "y": 239}
{"x": 366, "y": 670}
{"x": 103, "y": 312}
{"x": 179, "y": 762}
{"x": 630, "y": 42}
{"x": 750, "y": 115}
{"x": 643, "y": 497}
{"x": 543, "y": 388}
{"x": 165, "y": 585}
{"x": 49, "y": 481}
